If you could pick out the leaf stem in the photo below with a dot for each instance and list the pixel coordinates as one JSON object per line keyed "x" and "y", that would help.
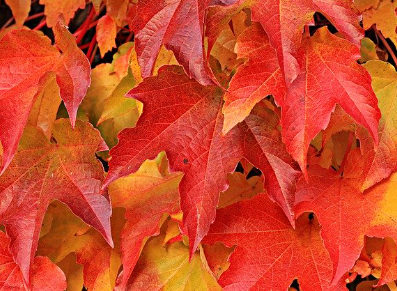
{"x": 9, "y": 21}
{"x": 86, "y": 25}
{"x": 348, "y": 149}
{"x": 89, "y": 27}
{"x": 34, "y": 16}
{"x": 40, "y": 25}
{"x": 94, "y": 53}
{"x": 91, "y": 47}
{"x": 386, "y": 44}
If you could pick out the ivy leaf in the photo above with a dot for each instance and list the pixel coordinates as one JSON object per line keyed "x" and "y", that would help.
{"x": 284, "y": 20}
{"x": 146, "y": 195}
{"x": 269, "y": 253}
{"x": 20, "y": 10}
{"x": 45, "y": 275}
{"x": 172, "y": 23}
{"x": 381, "y": 161}
{"x": 258, "y": 77}
{"x": 53, "y": 9}
{"x": 186, "y": 121}
{"x": 346, "y": 214}
{"x": 384, "y": 16}
{"x": 106, "y": 34}
{"x": 65, "y": 169}
{"x": 37, "y": 61}
{"x": 330, "y": 66}
{"x": 169, "y": 268}
{"x": 69, "y": 234}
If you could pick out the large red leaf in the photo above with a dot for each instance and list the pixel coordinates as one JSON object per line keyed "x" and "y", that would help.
{"x": 331, "y": 76}
{"x": 46, "y": 276}
{"x": 283, "y": 21}
{"x": 184, "y": 118}
{"x": 65, "y": 169}
{"x": 178, "y": 24}
{"x": 259, "y": 77}
{"x": 270, "y": 254}
{"x": 27, "y": 59}
{"x": 346, "y": 215}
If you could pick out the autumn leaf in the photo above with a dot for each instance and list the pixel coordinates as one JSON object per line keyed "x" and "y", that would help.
{"x": 45, "y": 275}
{"x": 37, "y": 61}
{"x": 258, "y": 77}
{"x": 346, "y": 214}
{"x": 186, "y": 121}
{"x": 172, "y": 23}
{"x": 381, "y": 161}
{"x": 44, "y": 111}
{"x": 55, "y": 8}
{"x": 20, "y": 9}
{"x": 106, "y": 34}
{"x": 69, "y": 234}
{"x": 64, "y": 169}
{"x": 73, "y": 272}
{"x": 383, "y": 15}
{"x": 169, "y": 268}
{"x": 311, "y": 98}
{"x": 146, "y": 195}
{"x": 269, "y": 253}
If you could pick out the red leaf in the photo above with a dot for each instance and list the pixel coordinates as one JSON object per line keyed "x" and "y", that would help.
{"x": 331, "y": 76}
{"x": 184, "y": 118}
{"x": 26, "y": 62}
{"x": 259, "y": 77}
{"x": 175, "y": 24}
{"x": 346, "y": 214}
{"x": 283, "y": 21}
{"x": 270, "y": 254}
{"x": 65, "y": 169}
{"x": 46, "y": 276}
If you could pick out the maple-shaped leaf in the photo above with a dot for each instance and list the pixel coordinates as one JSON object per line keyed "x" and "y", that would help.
{"x": 284, "y": 20}
{"x": 331, "y": 76}
{"x": 169, "y": 268}
{"x": 27, "y": 62}
{"x": 146, "y": 195}
{"x": 184, "y": 118}
{"x": 20, "y": 10}
{"x": 346, "y": 214}
{"x": 179, "y": 25}
{"x": 53, "y": 9}
{"x": 106, "y": 30}
{"x": 258, "y": 77}
{"x": 69, "y": 234}
{"x": 269, "y": 253}
{"x": 65, "y": 169}
{"x": 45, "y": 275}
{"x": 381, "y": 161}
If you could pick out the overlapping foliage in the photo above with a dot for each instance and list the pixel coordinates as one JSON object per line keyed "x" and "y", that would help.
{"x": 198, "y": 145}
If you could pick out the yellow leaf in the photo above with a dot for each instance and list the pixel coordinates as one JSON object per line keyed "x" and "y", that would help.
{"x": 385, "y": 18}
{"x": 168, "y": 268}
{"x": 69, "y": 234}
{"x": 73, "y": 272}
{"x": 45, "y": 108}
